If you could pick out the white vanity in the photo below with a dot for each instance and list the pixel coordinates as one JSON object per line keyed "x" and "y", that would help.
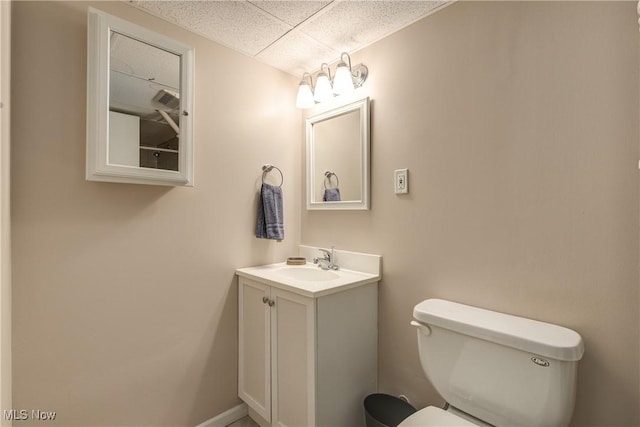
{"x": 308, "y": 340}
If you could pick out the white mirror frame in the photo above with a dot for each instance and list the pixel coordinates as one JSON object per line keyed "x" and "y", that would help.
{"x": 100, "y": 25}
{"x": 361, "y": 105}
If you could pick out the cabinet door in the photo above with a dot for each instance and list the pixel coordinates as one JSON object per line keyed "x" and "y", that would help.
{"x": 254, "y": 347}
{"x": 293, "y": 354}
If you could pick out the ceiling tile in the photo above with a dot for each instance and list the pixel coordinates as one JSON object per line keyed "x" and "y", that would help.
{"x": 292, "y": 35}
{"x": 297, "y": 53}
{"x": 134, "y": 58}
{"x": 236, "y": 24}
{"x": 349, "y": 25}
{"x": 291, "y": 12}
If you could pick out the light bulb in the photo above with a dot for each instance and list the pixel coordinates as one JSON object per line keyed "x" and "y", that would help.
{"x": 305, "y": 96}
{"x": 343, "y": 81}
{"x": 323, "y": 88}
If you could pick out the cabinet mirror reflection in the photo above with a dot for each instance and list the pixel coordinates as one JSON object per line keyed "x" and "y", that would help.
{"x": 338, "y": 157}
{"x": 139, "y": 104}
{"x": 144, "y": 104}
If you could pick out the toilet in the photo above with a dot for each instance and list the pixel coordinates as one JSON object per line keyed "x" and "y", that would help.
{"x": 494, "y": 368}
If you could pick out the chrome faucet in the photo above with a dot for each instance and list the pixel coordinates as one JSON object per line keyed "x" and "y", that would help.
{"x": 327, "y": 261}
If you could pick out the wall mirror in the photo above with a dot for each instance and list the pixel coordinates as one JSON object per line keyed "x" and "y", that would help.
{"x": 139, "y": 104}
{"x": 338, "y": 157}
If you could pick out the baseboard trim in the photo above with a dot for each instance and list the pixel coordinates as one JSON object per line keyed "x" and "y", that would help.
{"x": 227, "y": 417}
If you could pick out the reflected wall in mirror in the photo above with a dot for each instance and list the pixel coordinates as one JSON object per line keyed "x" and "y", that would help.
{"x": 338, "y": 157}
{"x": 139, "y": 111}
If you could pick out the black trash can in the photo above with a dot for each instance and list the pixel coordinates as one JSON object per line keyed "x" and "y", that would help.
{"x": 384, "y": 410}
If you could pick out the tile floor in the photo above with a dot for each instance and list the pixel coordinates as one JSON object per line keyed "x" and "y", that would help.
{"x": 244, "y": 422}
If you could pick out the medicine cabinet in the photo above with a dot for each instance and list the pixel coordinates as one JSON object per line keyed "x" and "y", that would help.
{"x": 139, "y": 104}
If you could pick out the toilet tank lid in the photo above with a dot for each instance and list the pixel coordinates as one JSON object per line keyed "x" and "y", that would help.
{"x": 533, "y": 336}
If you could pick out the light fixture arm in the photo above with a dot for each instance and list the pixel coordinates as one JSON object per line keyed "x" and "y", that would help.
{"x": 342, "y": 55}
{"x": 322, "y": 67}
{"x": 310, "y": 79}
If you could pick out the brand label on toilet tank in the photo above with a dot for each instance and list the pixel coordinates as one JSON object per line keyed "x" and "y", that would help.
{"x": 540, "y": 361}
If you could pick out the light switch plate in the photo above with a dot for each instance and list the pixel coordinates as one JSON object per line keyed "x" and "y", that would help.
{"x": 401, "y": 181}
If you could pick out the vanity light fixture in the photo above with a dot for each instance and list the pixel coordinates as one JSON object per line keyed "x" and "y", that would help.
{"x": 345, "y": 81}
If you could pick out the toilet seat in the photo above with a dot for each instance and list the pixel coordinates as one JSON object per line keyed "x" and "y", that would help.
{"x": 433, "y": 416}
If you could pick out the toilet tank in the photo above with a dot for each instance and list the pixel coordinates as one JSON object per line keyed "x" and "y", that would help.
{"x": 505, "y": 370}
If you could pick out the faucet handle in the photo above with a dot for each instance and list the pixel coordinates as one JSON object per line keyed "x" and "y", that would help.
{"x": 327, "y": 253}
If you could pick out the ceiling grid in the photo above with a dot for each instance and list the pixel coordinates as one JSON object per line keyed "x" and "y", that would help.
{"x": 293, "y": 36}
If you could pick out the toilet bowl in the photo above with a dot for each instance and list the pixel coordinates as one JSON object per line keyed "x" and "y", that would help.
{"x": 433, "y": 416}
{"x": 493, "y": 368}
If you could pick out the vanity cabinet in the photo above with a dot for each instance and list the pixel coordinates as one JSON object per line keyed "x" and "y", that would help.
{"x": 306, "y": 360}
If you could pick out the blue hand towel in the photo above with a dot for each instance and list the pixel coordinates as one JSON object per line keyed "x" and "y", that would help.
{"x": 331, "y": 195}
{"x": 269, "y": 223}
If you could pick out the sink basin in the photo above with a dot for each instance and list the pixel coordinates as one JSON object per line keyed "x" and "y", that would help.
{"x": 308, "y": 274}
{"x": 310, "y": 281}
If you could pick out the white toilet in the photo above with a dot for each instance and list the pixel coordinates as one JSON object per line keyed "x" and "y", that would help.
{"x": 494, "y": 368}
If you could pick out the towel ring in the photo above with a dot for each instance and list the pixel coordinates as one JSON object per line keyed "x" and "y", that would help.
{"x": 327, "y": 177}
{"x": 268, "y": 168}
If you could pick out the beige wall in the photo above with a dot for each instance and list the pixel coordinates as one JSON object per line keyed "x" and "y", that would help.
{"x": 338, "y": 149}
{"x": 519, "y": 125}
{"x": 5, "y": 224}
{"x": 518, "y": 122}
{"x": 124, "y": 300}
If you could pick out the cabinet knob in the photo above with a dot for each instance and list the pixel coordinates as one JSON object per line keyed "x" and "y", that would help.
{"x": 265, "y": 300}
{"x": 272, "y": 303}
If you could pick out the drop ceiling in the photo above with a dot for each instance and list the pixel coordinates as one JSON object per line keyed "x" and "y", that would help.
{"x": 294, "y": 36}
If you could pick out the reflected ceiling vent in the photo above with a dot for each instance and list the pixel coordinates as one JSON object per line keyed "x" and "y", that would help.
{"x": 168, "y": 99}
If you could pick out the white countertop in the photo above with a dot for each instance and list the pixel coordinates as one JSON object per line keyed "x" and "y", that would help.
{"x": 276, "y": 275}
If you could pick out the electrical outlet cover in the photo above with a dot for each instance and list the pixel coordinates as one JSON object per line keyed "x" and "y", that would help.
{"x": 401, "y": 181}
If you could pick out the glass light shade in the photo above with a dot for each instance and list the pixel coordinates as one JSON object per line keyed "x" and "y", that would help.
{"x": 323, "y": 88}
{"x": 343, "y": 82}
{"x": 305, "y": 96}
